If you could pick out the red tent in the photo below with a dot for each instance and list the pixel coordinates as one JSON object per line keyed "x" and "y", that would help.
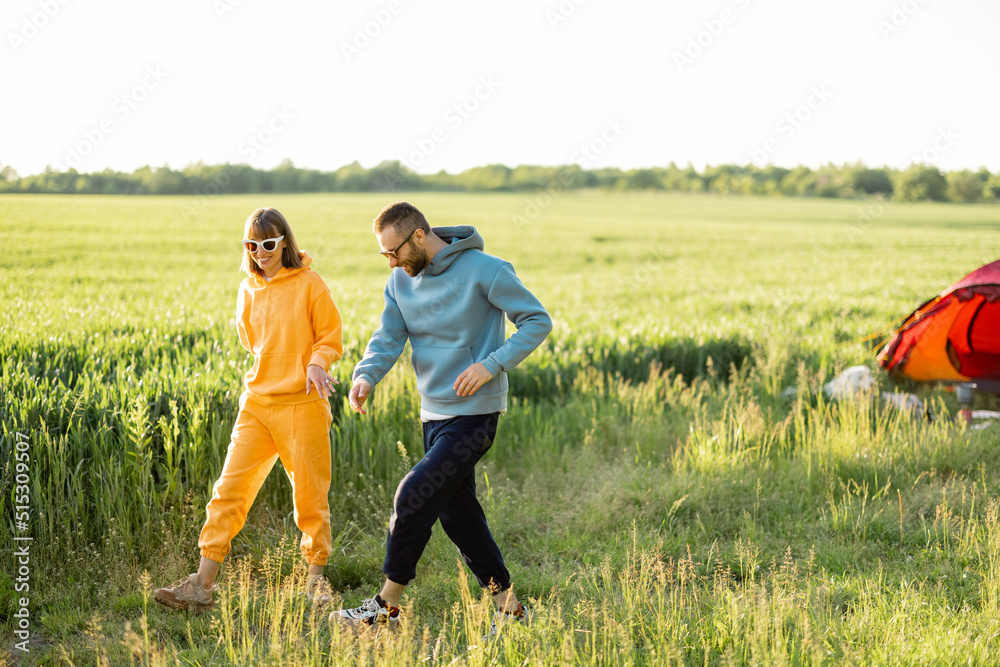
{"x": 954, "y": 336}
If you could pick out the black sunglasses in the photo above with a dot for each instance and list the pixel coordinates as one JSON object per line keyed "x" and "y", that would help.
{"x": 392, "y": 253}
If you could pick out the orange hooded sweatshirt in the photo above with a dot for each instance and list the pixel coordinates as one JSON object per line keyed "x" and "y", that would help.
{"x": 287, "y": 324}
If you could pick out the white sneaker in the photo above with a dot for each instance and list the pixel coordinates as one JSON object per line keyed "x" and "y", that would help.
{"x": 502, "y": 618}
{"x": 373, "y": 611}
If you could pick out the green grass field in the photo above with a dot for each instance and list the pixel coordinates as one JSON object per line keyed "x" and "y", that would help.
{"x": 657, "y": 500}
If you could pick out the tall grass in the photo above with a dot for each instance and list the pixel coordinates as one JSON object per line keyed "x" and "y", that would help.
{"x": 657, "y": 498}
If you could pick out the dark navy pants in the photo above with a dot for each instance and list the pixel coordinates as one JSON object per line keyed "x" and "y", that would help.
{"x": 443, "y": 486}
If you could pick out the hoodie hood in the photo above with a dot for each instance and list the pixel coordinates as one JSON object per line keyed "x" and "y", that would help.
{"x": 459, "y": 239}
{"x": 287, "y": 324}
{"x": 283, "y": 272}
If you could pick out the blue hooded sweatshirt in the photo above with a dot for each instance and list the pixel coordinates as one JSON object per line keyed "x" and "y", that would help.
{"x": 452, "y": 313}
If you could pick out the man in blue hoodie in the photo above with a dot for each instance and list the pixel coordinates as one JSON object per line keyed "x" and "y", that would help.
{"x": 449, "y": 301}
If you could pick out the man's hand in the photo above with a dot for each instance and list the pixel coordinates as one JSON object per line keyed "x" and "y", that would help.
{"x": 319, "y": 378}
{"x": 359, "y": 394}
{"x": 471, "y": 379}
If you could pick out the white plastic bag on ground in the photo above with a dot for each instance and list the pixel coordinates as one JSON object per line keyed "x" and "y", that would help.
{"x": 854, "y": 380}
{"x": 903, "y": 401}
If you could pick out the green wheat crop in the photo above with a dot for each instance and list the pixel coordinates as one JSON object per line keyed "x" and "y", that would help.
{"x": 657, "y": 498}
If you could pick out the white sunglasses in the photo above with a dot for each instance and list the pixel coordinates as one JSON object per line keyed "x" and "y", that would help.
{"x": 269, "y": 244}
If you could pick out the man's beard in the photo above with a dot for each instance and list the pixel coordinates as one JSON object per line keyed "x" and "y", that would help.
{"x": 416, "y": 263}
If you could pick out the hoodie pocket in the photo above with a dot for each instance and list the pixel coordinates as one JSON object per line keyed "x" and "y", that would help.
{"x": 437, "y": 368}
{"x": 274, "y": 374}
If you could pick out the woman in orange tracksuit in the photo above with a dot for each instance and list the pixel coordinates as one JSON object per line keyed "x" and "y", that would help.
{"x": 287, "y": 319}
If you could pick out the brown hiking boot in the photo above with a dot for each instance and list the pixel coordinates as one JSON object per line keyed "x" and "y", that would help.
{"x": 318, "y": 590}
{"x": 186, "y": 594}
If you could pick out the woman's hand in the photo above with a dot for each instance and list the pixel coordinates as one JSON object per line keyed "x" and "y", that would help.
{"x": 319, "y": 378}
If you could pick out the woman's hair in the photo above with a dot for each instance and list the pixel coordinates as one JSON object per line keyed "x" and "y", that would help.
{"x": 268, "y": 223}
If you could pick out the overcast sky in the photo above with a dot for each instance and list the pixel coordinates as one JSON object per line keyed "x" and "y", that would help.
{"x": 443, "y": 84}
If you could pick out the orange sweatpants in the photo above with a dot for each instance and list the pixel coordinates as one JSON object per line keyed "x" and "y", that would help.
{"x": 300, "y": 436}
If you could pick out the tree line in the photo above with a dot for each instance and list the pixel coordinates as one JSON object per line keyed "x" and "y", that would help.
{"x": 916, "y": 183}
